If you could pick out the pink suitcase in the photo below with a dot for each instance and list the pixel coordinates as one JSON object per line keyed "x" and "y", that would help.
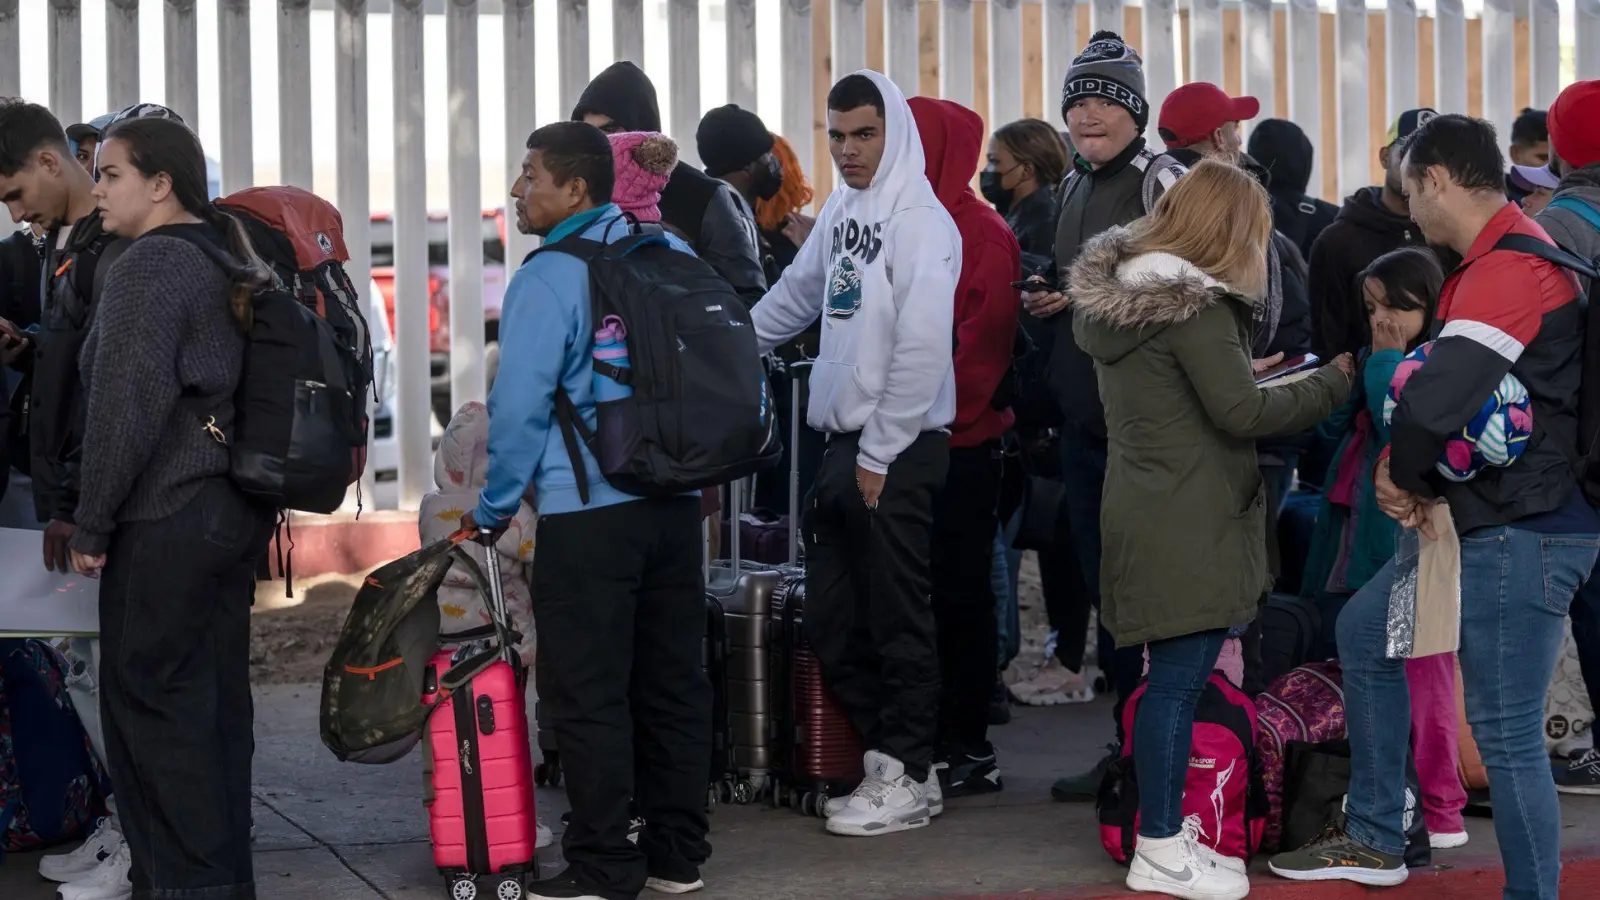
{"x": 479, "y": 767}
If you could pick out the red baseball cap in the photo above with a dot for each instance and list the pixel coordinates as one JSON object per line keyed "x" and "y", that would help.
{"x": 1574, "y": 122}
{"x": 1192, "y": 112}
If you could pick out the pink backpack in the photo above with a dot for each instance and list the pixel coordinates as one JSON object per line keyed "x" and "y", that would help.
{"x": 1223, "y": 789}
{"x": 1304, "y": 704}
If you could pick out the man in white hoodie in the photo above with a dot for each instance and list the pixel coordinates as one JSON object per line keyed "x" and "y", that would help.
{"x": 881, "y": 267}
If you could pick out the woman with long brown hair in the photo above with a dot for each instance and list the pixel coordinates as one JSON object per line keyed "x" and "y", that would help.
{"x": 1164, "y": 308}
{"x": 172, "y": 539}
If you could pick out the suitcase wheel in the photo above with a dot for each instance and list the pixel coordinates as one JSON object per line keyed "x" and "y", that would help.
{"x": 508, "y": 889}
{"x": 462, "y": 887}
{"x": 743, "y": 791}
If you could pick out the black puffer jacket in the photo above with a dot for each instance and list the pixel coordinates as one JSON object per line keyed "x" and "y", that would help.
{"x": 1033, "y": 220}
{"x": 701, "y": 208}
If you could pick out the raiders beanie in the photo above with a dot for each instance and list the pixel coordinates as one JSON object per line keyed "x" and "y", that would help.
{"x": 1110, "y": 69}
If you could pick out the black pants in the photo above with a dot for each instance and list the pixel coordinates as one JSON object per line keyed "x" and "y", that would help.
{"x": 1275, "y": 477}
{"x": 619, "y": 601}
{"x": 175, "y": 693}
{"x": 868, "y": 614}
{"x": 964, "y": 525}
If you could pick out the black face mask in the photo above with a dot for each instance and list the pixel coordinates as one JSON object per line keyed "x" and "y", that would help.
{"x": 768, "y": 180}
{"x": 989, "y": 186}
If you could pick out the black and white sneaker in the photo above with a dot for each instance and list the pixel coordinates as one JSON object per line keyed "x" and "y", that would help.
{"x": 561, "y": 887}
{"x": 964, "y": 774}
{"x": 635, "y": 825}
{"x": 1581, "y": 776}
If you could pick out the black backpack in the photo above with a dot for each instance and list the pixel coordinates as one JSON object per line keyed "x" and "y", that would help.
{"x": 1588, "y": 462}
{"x": 1291, "y": 628}
{"x": 700, "y": 412}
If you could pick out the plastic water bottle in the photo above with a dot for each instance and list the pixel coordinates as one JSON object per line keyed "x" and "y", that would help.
{"x": 611, "y": 346}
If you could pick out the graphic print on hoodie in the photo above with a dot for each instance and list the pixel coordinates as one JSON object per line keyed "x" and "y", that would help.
{"x": 882, "y": 264}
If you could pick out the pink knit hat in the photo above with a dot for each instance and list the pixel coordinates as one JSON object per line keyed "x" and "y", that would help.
{"x": 644, "y": 161}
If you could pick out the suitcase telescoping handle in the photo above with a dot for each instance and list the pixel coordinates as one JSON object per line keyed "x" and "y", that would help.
{"x": 796, "y": 414}
{"x": 497, "y": 595}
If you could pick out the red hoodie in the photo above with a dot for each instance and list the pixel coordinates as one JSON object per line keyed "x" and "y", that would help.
{"x": 986, "y": 303}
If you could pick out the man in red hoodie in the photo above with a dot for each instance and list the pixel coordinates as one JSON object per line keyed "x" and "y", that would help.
{"x": 965, "y": 514}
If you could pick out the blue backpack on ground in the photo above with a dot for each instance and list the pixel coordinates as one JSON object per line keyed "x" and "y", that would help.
{"x": 51, "y": 787}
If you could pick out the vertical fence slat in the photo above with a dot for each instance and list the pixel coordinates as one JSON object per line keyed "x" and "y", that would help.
{"x": 849, "y": 37}
{"x": 1005, "y": 62}
{"x": 354, "y": 192}
{"x": 1259, "y": 51}
{"x": 795, "y": 32}
{"x": 294, "y": 94}
{"x": 1545, "y": 44}
{"x": 572, "y": 34}
{"x": 683, "y": 74}
{"x": 1450, "y": 56}
{"x": 1400, "y": 42}
{"x": 1350, "y": 66}
{"x": 1107, "y": 15}
{"x": 1499, "y": 61}
{"x": 900, "y": 37}
{"x": 955, "y": 51}
{"x": 10, "y": 50}
{"x": 65, "y": 22}
{"x": 413, "y": 390}
{"x": 122, "y": 53}
{"x": 1586, "y": 43}
{"x": 521, "y": 116}
{"x": 1205, "y": 43}
{"x": 180, "y": 47}
{"x": 466, "y": 205}
{"x": 1060, "y": 45}
{"x": 1159, "y": 44}
{"x": 741, "y": 28}
{"x": 627, "y": 30}
{"x": 233, "y": 47}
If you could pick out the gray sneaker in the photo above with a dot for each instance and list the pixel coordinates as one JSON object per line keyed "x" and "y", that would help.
{"x": 1336, "y": 856}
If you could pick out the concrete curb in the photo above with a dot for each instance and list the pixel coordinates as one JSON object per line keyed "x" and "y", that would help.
{"x": 1473, "y": 878}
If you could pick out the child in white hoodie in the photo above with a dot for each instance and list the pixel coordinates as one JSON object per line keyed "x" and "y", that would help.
{"x": 881, "y": 267}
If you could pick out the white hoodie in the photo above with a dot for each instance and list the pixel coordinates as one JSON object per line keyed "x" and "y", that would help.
{"x": 881, "y": 265}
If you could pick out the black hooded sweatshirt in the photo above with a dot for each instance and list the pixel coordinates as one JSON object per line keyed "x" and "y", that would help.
{"x": 701, "y": 208}
{"x": 1363, "y": 231}
{"x": 1286, "y": 153}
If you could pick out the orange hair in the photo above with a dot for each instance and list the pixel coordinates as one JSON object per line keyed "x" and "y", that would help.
{"x": 795, "y": 194}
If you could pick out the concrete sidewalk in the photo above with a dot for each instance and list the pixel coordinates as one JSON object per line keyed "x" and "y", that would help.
{"x": 332, "y": 831}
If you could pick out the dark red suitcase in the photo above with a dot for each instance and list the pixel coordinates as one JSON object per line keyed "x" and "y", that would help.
{"x": 817, "y": 750}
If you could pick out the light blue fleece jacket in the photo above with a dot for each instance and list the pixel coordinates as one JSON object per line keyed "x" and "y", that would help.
{"x": 547, "y": 339}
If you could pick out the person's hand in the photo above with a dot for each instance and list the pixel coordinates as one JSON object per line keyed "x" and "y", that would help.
{"x": 1346, "y": 364}
{"x": 12, "y": 342}
{"x": 1421, "y": 518}
{"x": 1386, "y": 335}
{"x": 870, "y": 484}
{"x": 1396, "y": 502}
{"x": 1043, "y": 303}
{"x": 797, "y": 227}
{"x": 88, "y": 566}
{"x": 1257, "y": 366}
{"x": 56, "y": 553}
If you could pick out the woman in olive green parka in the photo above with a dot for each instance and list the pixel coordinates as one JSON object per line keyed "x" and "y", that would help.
{"x": 1164, "y": 309}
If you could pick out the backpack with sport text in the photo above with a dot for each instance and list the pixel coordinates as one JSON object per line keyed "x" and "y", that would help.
{"x": 300, "y": 429}
{"x": 1588, "y": 463}
{"x": 687, "y": 403}
{"x": 1222, "y": 794}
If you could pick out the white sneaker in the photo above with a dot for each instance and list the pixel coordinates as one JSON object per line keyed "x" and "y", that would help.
{"x": 1449, "y": 840}
{"x": 887, "y": 801}
{"x": 932, "y": 787}
{"x": 65, "y": 867}
{"x": 663, "y": 886}
{"x": 1053, "y": 685}
{"x": 545, "y": 838}
{"x": 108, "y": 881}
{"x": 1179, "y": 866}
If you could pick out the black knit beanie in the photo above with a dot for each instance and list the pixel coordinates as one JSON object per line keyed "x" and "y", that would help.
{"x": 730, "y": 138}
{"x": 1108, "y": 68}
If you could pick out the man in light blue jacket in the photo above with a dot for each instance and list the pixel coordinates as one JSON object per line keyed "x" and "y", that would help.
{"x": 621, "y": 598}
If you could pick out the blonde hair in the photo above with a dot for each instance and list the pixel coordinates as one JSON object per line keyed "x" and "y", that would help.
{"x": 1219, "y": 220}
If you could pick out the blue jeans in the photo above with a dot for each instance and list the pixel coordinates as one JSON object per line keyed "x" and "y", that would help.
{"x": 1516, "y": 587}
{"x": 1003, "y": 573}
{"x": 1164, "y": 726}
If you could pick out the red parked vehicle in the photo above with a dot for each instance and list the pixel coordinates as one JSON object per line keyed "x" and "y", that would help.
{"x": 494, "y": 289}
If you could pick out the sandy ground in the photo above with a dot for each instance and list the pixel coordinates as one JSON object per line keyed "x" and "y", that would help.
{"x": 291, "y": 637}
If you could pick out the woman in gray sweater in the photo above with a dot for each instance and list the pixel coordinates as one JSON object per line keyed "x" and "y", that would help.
{"x": 172, "y": 539}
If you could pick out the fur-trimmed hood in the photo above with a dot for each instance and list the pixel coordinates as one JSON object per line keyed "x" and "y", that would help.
{"x": 1123, "y": 298}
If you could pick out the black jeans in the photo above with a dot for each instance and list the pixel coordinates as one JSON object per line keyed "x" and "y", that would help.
{"x": 1585, "y": 614}
{"x": 1083, "y": 471}
{"x": 175, "y": 693}
{"x": 620, "y": 608}
{"x": 964, "y": 525}
{"x": 868, "y": 614}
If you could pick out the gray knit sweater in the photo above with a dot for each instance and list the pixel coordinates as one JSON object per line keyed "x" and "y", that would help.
{"x": 163, "y": 330}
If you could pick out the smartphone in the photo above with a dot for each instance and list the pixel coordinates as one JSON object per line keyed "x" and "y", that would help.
{"x": 1031, "y": 285}
{"x": 1288, "y": 367}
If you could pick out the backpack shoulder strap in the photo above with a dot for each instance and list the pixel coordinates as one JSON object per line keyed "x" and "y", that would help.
{"x": 1580, "y": 208}
{"x": 1532, "y": 246}
{"x": 1161, "y": 172}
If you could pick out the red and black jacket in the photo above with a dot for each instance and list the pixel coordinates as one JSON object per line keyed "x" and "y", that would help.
{"x": 1501, "y": 312}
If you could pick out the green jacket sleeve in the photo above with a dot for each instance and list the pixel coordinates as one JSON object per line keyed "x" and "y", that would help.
{"x": 1211, "y": 351}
